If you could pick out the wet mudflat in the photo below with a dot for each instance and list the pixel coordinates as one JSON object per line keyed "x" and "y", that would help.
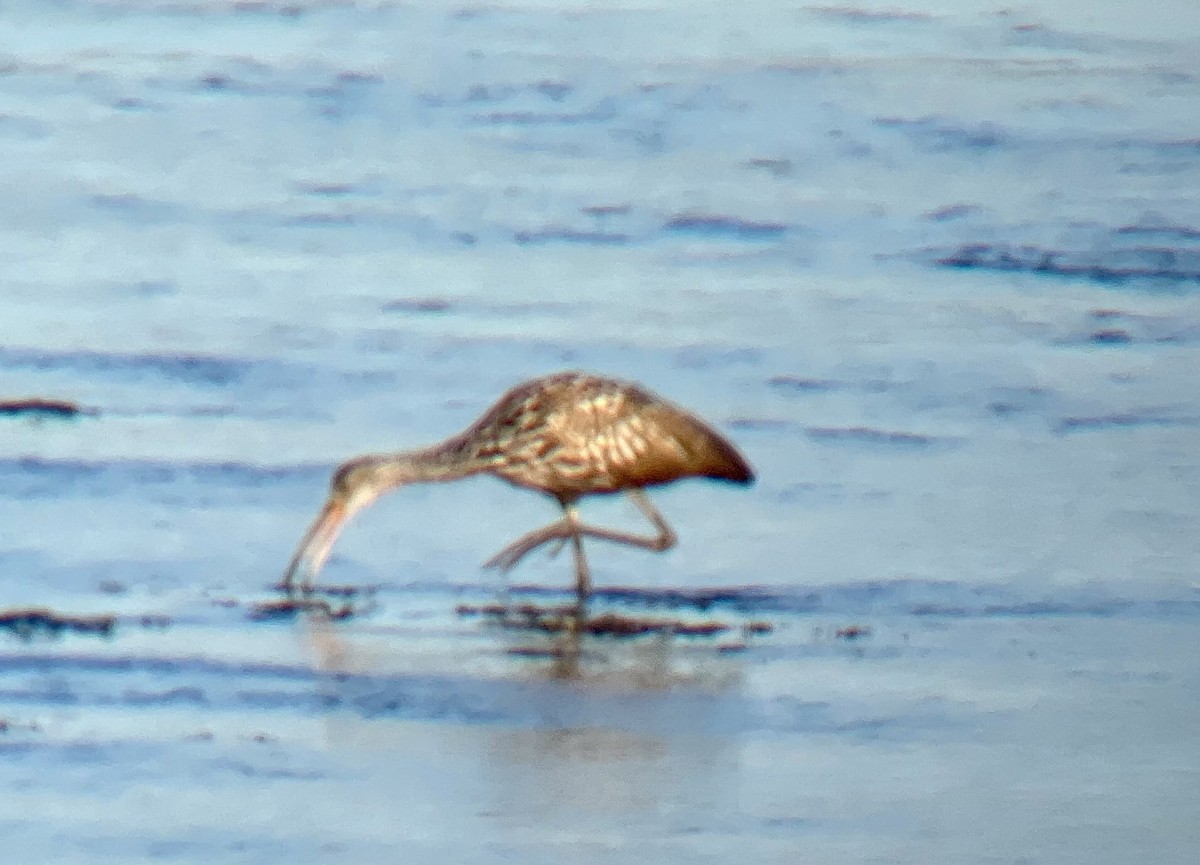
{"x": 934, "y": 269}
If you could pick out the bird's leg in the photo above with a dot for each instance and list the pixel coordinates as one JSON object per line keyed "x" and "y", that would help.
{"x": 566, "y": 529}
{"x": 583, "y": 575}
{"x": 558, "y": 531}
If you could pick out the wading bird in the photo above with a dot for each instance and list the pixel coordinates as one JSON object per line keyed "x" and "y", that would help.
{"x": 567, "y": 435}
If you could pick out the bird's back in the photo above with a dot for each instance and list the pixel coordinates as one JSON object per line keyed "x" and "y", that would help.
{"x": 572, "y": 434}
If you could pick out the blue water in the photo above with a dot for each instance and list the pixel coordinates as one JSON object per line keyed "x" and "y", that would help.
{"x": 935, "y": 269}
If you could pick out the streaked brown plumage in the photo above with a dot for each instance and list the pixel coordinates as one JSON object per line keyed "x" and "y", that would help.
{"x": 567, "y": 435}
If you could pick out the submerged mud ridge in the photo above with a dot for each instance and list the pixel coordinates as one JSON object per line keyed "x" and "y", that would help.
{"x": 28, "y": 622}
{"x": 740, "y": 598}
{"x": 558, "y": 619}
{"x": 289, "y": 608}
{"x": 43, "y": 407}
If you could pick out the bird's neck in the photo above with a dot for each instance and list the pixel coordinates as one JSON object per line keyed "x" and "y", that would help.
{"x": 430, "y": 465}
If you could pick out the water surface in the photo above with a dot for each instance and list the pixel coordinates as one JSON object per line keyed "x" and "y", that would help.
{"x": 934, "y": 268}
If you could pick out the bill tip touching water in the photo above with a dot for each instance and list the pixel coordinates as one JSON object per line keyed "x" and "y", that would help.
{"x": 566, "y": 435}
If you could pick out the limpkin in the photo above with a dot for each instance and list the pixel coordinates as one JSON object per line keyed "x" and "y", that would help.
{"x": 567, "y": 435}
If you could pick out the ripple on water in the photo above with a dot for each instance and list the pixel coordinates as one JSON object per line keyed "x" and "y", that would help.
{"x": 201, "y": 369}
{"x": 1111, "y": 265}
{"x": 31, "y": 477}
{"x": 1123, "y": 420}
{"x": 718, "y": 225}
{"x": 873, "y": 436}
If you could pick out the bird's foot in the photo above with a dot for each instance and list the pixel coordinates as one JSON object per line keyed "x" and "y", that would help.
{"x": 556, "y": 533}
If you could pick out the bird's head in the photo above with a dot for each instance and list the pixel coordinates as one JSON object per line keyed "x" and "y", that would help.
{"x": 354, "y": 479}
{"x": 354, "y": 485}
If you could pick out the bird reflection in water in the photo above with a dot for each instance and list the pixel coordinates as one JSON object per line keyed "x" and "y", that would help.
{"x": 567, "y": 435}
{"x": 359, "y": 659}
{"x": 646, "y": 737}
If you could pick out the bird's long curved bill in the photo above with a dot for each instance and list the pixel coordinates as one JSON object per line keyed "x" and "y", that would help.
{"x": 316, "y": 545}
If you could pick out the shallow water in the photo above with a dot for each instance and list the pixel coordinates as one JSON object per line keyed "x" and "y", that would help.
{"x": 936, "y": 269}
